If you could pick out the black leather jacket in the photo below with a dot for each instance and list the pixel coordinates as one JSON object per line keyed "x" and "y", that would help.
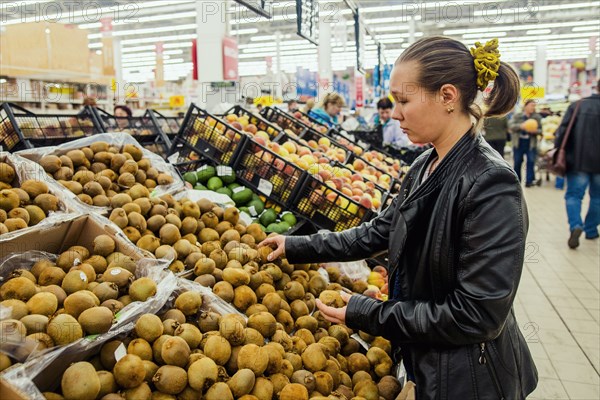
{"x": 456, "y": 245}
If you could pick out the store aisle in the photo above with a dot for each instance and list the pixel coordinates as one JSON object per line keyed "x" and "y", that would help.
{"x": 558, "y": 302}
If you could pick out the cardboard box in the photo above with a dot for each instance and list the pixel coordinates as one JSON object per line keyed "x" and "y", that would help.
{"x": 8, "y": 392}
{"x": 73, "y": 230}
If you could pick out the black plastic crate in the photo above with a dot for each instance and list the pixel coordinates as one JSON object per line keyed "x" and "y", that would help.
{"x": 328, "y": 208}
{"x": 312, "y": 122}
{"x": 346, "y": 142}
{"x": 373, "y": 138}
{"x": 187, "y": 159}
{"x": 284, "y": 120}
{"x": 257, "y": 120}
{"x": 22, "y": 129}
{"x": 209, "y": 136}
{"x": 312, "y": 135}
{"x": 169, "y": 126}
{"x": 267, "y": 173}
{"x": 395, "y": 178}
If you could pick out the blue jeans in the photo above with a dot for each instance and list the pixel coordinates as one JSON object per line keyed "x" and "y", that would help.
{"x": 519, "y": 153}
{"x": 577, "y": 182}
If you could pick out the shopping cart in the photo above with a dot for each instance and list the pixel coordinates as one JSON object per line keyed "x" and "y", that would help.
{"x": 541, "y": 164}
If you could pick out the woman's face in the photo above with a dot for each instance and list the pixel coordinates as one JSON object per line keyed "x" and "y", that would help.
{"x": 333, "y": 109}
{"x": 422, "y": 115}
{"x": 119, "y": 112}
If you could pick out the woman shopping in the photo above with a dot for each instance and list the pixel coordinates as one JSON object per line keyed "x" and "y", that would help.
{"x": 330, "y": 109}
{"x": 455, "y": 234}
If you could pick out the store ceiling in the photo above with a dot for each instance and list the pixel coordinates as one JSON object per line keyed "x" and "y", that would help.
{"x": 564, "y": 27}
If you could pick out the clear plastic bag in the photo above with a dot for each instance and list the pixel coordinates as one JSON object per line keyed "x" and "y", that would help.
{"x": 355, "y": 270}
{"x": 114, "y": 139}
{"x": 25, "y": 170}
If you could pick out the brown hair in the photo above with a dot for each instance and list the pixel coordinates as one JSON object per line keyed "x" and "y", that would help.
{"x": 333, "y": 98}
{"x": 443, "y": 60}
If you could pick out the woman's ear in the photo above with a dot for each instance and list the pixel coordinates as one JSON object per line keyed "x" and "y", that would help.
{"x": 449, "y": 94}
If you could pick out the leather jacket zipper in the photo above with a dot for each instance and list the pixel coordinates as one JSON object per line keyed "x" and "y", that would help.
{"x": 484, "y": 361}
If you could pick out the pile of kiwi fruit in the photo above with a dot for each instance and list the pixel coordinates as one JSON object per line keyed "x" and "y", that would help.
{"x": 57, "y": 302}
{"x": 97, "y": 173}
{"x": 189, "y": 352}
{"x": 23, "y": 204}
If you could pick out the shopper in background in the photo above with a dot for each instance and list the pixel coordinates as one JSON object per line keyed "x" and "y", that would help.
{"x": 496, "y": 131}
{"x": 524, "y": 140}
{"x": 123, "y": 113}
{"x": 292, "y": 106}
{"x": 329, "y": 110}
{"x": 455, "y": 234}
{"x": 387, "y": 127}
{"x": 583, "y": 166}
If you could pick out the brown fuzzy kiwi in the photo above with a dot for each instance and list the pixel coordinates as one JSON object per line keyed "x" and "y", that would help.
{"x": 253, "y": 336}
{"x": 19, "y": 288}
{"x": 84, "y": 198}
{"x": 135, "y": 152}
{"x": 243, "y": 297}
{"x": 293, "y": 391}
{"x": 314, "y": 358}
{"x": 7, "y": 173}
{"x": 129, "y": 166}
{"x": 106, "y": 291}
{"x": 24, "y": 198}
{"x": 183, "y": 248}
{"x": 19, "y": 213}
{"x": 241, "y": 382}
{"x": 129, "y": 371}
{"x": 293, "y": 291}
{"x": 224, "y": 290}
{"x": 132, "y": 234}
{"x": 204, "y": 266}
{"x": 155, "y": 222}
{"x": 34, "y": 188}
{"x": 188, "y": 332}
{"x": 298, "y": 309}
{"x": 210, "y": 220}
{"x": 138, "y": 191}
{"x": 149, "y": 327}
{"x": 107, "y": 354}
{"x": 132, "y": 207}
{"x": 93, "y": 189}
{"x": 140, "y": 177}
{"x": 119, "y": 217}
{"x": 170, "y": 379}
{"x": 205, "y": 205}
{"x": 263, "y": 322}
{"x": 3, "y": 215}
{"x": 164, "y": 179}
{"x": 114, "y": 305}
{"x": 74, "y": 281}
{"x": 389, "y": 387}
{"x": 78, "y": 302}
{"x": 219, "y": 257}
{"x": 14, "y": 224}
{"x": 254, "y": 358}
{"x": 323, "y": 383}
{"x": 120, "y": 276}
{"x": 137, "y": 220}
{"x": 117, "y": 161}
{"x": 275, "y": 357}
{"x": 175, "y": 351}
{"x": 232, "y": 329}
{"x": 43, "y": 340}
{"x": 189, "y": 302}
{"x": 107, "y": 383}
{"x": 103, "y": 157}
{"x": 151, "y": 369}
{"x": 165, "y": 251}
{"x": 358, "y": 362}
{"x": 169, "y": 234}
{"x": 18, "y": 308}
{"x": 149, "y": 243}
{"x": 140, "y": 348}
{"x": 35, "y": 323}
{"x": 209, "y": 321}
{"x": 141, "y": 289}
{"x": 218, "y": 349}
{"x": 103, "y": 245}
{"x": 202, "y": 374}
{"x": 144, "y": 204}
{"x": 255, "y": 308}
{"x": 101, "y": 201}
{"x": 9, "y": 200}
{"x": 80, "y": 381}
{"x": 83, "y": 177}
{"x": 331, "y": 298}
{"x": 173, "y": 219}
{"x": 285, "y": 319}
{"x": 263, "y": 389}
{"x": 158, "y": 209}
{"x": 64, "y": 329}
{"x": 126, "y": 180}
{"x": 97, "y": 147}
{"x": 43, "y": 303}
{"x": 98, "y": 262}
{"x": 176, "y": 315}
{"x": 96, "y": 320}
{"x": 367, "y": 389}
{"x": 209, "y": 247}
{"x": 249, "y": 240}
{"x": 120, "y": 200}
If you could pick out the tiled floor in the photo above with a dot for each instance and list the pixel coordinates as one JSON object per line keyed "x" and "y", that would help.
{"x": 558, "y": 303}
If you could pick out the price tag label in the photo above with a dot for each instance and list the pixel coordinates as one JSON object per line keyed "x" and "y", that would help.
{"x": 252, "y": 211}
{"x": 120, "y": 352}
{"x": 265, "y": 187}
{"x": 202, "y": 168}
{"x": 238, "y": 189}
{"x": 364, "y": 344}
{"x": 223, "y": 170}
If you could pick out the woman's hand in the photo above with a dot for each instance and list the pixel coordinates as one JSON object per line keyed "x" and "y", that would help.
{"x": 277, "y": 243}
{"x": 332, "y": 314}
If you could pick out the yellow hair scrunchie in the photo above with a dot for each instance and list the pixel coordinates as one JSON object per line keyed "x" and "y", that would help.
{"x": 487, "y": 62}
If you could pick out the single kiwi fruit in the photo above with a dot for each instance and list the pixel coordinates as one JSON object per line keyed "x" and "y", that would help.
{"x": 9, "y": 200}
{"x": 169, "y": 234}
{"x": 218, "y": 349}
{"x": 243, "y": 297}
{"x": 129, "y": 371}
{"x": 264, "y": 322}
{"x": 224, "y": 290}
{"x": 19, "y": 288}
{"x": 254, "y": 358}
{"x": 64, "y": 329}
{"x": 202, "y": 374}
{"x": 137, "y": 220}
{"x": 14, "y": 224}
{"x": 141, "y": 289}
{"x": 263, "y": 389}
{"x": 96, "y": 320}
{"x": 98, "y": 263}
{"x": 18, "y": 308}
{"x": 170, "y": 379}
{"x": 7, "y": 173}
{"x": 74, "y": 281}
{"x": 138, "y": 191}
{"x": 119, "y": 217}
{"x": 114, "y": 305}
{"x": 190, "y": 333}
{"x": 23, "y": 196}
{"x": 35, "y": 323}
{"x": 132, "y": 234}
{"x": 129, "y": 166}
{"x": 144, "y": 204}
{"x": 74, "y": 304}
{"x": 175, "y": 351}
{"x": 155, "y": 222}
{"x": 120, "y": 276}
{"x": 103, "y": 245}
{"x": 43, "y": 303}
{"x": 107, "y": 383}
{"x": 189, "y": 302}
{"x": 149, "y": 327}
{"x": 140, "y": 348}
{"x": 80, "y": 381}
{"x": 84, "y": 198}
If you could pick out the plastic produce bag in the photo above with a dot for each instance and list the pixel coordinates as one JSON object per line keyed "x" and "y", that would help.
{"x": 355, "y": 270}
{"x": 114, "y": 139}
{"x": 195, "y": 195}
{"x": 25, "y": 170}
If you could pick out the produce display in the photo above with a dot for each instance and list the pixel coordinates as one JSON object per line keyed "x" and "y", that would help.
{"x": 55, "y": 301}
{"x": 550, "y": 125}
{"x": 104, "y": 175}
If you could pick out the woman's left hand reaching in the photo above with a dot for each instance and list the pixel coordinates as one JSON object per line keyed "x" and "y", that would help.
{"x": 332, "y": 314}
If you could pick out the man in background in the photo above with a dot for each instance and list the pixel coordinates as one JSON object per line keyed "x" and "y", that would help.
{"x": 391, "y": 133}
{"x": 525, "y": 139}
{"x": 583, "y": 166}
{"x": 496, "y": 131}
{"x": 292, "y": 106}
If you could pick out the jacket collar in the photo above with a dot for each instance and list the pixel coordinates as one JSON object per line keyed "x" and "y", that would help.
{"x": 447, "y": 166}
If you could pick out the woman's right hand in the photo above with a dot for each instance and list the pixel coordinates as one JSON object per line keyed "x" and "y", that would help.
{"x": 277, "y": 243}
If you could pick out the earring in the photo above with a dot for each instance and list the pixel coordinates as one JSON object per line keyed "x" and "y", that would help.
{"x": 450, "y": 109}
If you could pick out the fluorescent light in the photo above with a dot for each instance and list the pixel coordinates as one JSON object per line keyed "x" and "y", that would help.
{"x": 94, "y": 45}
{"x": 162, "y": 17}
{"x": 585, "y": 28}
{"x": 130, "y": 32}
{"x": 538, "y": 31}
{"x": 248, "y": 31}
{"x": 3, "y": 80}
{"x": 500, "y": 28}
{"x": 483, "y": 35}
{"x": 537, "y": 8}
{"x": 159, "y": 39}
{"x": 153, "y": 47}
